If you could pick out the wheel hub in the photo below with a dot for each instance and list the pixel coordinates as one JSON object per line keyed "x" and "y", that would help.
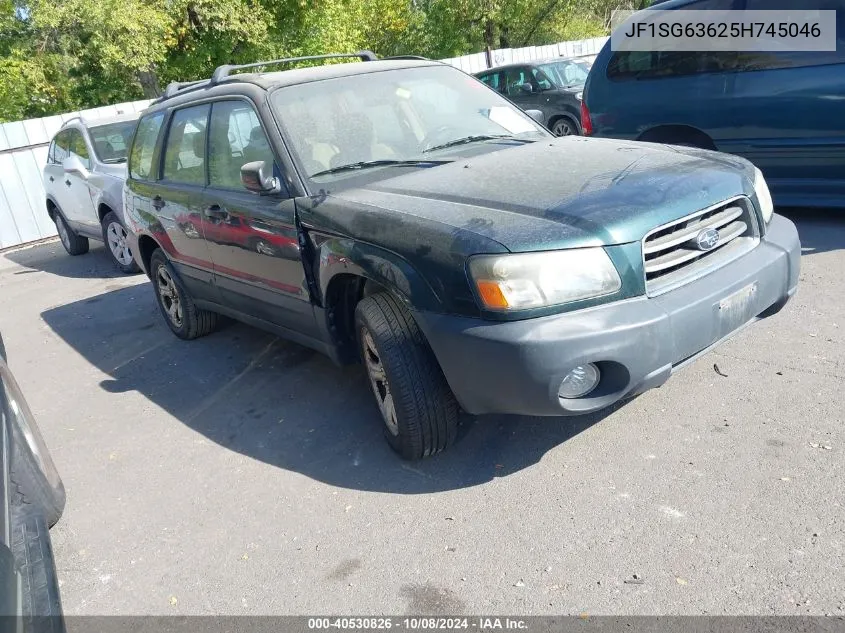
{"x": 169, "y": 296}
{"x": 379, "y": 383}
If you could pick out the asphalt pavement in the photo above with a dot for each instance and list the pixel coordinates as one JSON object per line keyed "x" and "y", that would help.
{"x": 242, "y": 474}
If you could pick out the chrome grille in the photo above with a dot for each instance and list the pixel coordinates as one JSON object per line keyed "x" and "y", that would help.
{"x": 672, "y": 256}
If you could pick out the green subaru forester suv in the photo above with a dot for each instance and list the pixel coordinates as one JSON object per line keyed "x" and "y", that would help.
{"x": 403, "y": 214}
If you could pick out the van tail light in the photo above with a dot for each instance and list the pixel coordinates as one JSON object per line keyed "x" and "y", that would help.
{"x": 586, "y": 120}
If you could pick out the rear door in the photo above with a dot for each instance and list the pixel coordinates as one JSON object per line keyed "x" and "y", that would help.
{"x": 495, "y": 80}
{"x": 788, "y": 110}
{"x": 252, "y": 238}
{"x": 177, "y": 199}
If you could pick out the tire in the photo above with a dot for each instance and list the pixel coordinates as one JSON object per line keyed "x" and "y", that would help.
{"x": 177, "y": 306}
{"x": 424, "y": 418}
{"x": 114, "y": 237}
{"x": 73, "y": 243}
{"x": 35, "y": 482}
{"x": 564, "y": 126}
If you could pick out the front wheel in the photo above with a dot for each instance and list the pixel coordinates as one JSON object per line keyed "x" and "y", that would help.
{"x": 73, "y": 243}
{"x": 116, "y": 239}
{"x": 419, "y": 411}
{"x": 177, "y": 307}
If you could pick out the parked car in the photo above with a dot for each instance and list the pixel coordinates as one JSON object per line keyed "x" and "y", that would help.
{"x": 470, "y": 259}
{"x": 83, "y": 178}
{"x": 553, "y": 86}
{"x": 783, "y": 111}
{"x": 32, "y": 498}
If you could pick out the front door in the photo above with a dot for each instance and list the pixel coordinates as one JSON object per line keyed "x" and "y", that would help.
{"x": 79, "y": 208}
{"x": 517, "y": 79}
{"x": 252, "y": 238}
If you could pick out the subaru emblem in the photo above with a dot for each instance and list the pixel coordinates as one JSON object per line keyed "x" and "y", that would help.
{"x": 707, "y": 240}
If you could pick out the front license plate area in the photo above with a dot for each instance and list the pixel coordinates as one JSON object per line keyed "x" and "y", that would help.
{"x": 736, "y": 309}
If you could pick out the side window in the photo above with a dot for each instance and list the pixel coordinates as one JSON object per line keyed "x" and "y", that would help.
{"x": 749, "y": 61}
{"x": 540, "y": 79}
{"x": 184, "y": 153}
{"x": 235, "y": 138}
{"x": 514, "y": 78}
{"x": 654, "y": 64}
{"x": 143, "y": 148}
{"x": 494, "y": 80}
{"x": 78, "y": 148}
{"x": 62, "y": 146}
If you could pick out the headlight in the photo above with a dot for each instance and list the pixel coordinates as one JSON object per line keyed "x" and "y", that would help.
{"x": 764, "y": 197}
{"x": 532, "y": 280}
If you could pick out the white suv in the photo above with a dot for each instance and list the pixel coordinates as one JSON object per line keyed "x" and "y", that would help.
{"x": 83, "y": 178}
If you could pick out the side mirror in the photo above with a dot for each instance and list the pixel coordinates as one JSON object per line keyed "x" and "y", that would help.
{"x": 526, "y": 87}
{"x": 73, "y": 165}
{"x": 537, "y": 115}
{"x": 258, "y": 176}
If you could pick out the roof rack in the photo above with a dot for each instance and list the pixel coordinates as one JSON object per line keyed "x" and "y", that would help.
{"x": 221, "y": 72}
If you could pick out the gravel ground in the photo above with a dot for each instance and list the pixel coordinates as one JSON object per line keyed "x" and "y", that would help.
{"x": 241, "y": 474}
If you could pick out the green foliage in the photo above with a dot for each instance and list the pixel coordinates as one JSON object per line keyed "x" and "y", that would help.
{"x": 60, "y": 55}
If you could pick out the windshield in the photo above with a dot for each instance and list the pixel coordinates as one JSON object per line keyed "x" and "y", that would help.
{"x": 111, "y": 140}
{"x": 566, "y": 73}
{"x": 410, "y": 117}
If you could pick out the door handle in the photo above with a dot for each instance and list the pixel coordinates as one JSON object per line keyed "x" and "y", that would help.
{"x": 216, "y": 212}
{"x": 67, "y": 182}
{"x": 158, "y": 203}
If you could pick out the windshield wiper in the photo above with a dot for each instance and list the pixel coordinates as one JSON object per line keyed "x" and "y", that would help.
{"x": 365, "y": 164}
{"x": 114, "y": 161}
{"x": 477, "y": 138}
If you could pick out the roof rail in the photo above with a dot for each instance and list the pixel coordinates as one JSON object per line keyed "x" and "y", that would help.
{"x": 419, "y": 57}
{"x": 175, "y": 87}
{"x": 221, "y": 72}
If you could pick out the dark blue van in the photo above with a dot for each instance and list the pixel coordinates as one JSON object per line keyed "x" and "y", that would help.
{"x": 785, "y": 112}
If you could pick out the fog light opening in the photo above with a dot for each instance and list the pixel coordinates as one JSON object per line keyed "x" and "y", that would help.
{"x": 579, "y": 382}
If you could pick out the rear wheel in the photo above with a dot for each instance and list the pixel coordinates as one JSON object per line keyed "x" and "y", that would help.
{"x": 73, "y": 243}
{"x": 564, "y": 127}
{"x": 419, "y": 411}
{"x": 115, "y": 237}
{"x": 177, "y": 307}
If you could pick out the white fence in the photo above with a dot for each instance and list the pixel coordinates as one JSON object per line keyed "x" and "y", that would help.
{"x": 23, "y": 144}
{"x": 478, "y": 61}
{"x": 23, "y": 153}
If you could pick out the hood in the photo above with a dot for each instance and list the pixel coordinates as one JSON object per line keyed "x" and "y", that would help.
{"x": 564, "y": 193}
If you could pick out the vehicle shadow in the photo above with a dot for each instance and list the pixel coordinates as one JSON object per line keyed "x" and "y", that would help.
{"x": 820, "y": 230}
{"x": 51, "y": 257}
{"x": 285, "y": 405}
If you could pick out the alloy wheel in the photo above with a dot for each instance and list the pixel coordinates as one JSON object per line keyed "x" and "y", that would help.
{"x": 169, "y": 295}
{"x": 563, "y": 128}
{"x": 62, "y": 231}
{"x": 378, "y": 381}
{"x": 116, "y": 236}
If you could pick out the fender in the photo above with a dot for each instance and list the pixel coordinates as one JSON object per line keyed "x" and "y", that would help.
{"x": 337, "y": 256}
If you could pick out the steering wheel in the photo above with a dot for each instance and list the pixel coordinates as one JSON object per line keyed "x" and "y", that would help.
{"x": 440, "y": 134}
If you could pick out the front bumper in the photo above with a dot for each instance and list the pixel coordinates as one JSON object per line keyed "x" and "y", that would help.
{"x": 517, "y": 367}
